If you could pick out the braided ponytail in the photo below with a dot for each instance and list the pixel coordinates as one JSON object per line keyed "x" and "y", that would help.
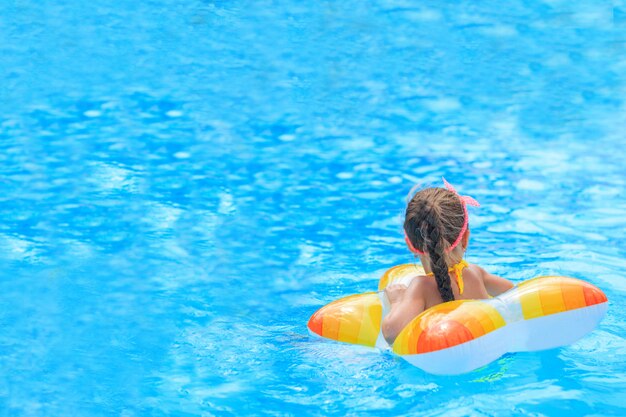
{"x": 431, "y": 230}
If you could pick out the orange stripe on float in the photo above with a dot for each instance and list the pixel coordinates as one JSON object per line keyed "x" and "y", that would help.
{"x": 460, "y": 335}
{"x": 474, "y": 325}
{"x": 573, "y": 295}
{"x": 442, "y": 336}
{"x": 432, "y": 318}
{"x": 422, "y": 345}
{"x": 315, "y": 323}
{"x": 593, "y": 295}
{"x": 330, "y": 327}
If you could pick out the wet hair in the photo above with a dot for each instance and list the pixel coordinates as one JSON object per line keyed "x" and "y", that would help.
{"x": 433, "y": 220}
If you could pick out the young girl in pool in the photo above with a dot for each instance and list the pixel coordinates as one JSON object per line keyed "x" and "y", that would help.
{"x": 436, "y": 229}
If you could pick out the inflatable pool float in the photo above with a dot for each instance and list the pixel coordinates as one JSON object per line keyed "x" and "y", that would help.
{"x": 459, "y": 336}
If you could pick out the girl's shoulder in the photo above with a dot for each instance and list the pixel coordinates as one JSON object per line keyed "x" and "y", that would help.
{"x": 476, "y": 270}
{"x": 422, "y": 285}
{"x": 474, "y": 273}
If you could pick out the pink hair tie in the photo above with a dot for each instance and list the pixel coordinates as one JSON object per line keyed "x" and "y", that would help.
{"x": 465, "y": 200}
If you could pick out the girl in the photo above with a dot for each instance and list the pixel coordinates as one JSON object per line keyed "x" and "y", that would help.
{"x": 436, "y": 230}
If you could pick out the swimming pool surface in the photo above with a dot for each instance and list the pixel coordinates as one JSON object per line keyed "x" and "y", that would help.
{"x": 183, "y": 183}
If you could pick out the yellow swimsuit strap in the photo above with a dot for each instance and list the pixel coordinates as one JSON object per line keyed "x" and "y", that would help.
{"x": 458, "y": 272}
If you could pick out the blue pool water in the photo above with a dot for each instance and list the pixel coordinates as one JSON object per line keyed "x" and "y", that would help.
{"x": 183, "y": 183}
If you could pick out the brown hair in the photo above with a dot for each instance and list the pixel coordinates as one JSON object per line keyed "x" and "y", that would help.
{"x": 433, "y": 220}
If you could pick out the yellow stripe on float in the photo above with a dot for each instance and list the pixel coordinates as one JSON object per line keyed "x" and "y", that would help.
{"x": 389, "y": 276}
{"x": 397, "y": 344}
{"x": 370, "y": 324}
{"x": 533, "y": 282}
{"x": 398, "y": 272}
{"x": 531, "y": 304}
{"x": 489, "y": 317}
{"x": 551, "y": 297}
{"x": 406, "y": 339}
{"x": 350, "y": 325}
{"x": 406, "y": 342}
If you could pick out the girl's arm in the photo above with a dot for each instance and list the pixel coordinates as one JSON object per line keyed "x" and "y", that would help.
{"x": 406, "y": 304}
{"x": 494, "y": 284}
